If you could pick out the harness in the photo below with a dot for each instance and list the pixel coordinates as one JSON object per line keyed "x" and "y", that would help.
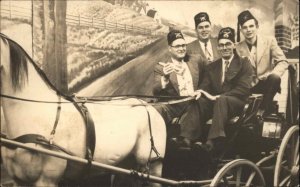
{"x": 41, "y": 140}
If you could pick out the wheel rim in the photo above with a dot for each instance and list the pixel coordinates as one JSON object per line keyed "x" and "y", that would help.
{"x": 239, "y": 172}
{"x": 287, "y": 160}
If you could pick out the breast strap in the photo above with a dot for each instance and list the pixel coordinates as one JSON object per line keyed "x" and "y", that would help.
{"x": 90, "y": 129}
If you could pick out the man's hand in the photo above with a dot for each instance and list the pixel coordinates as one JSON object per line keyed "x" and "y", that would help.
{"x": 209, "y": 96}
{"x": 265, "y": 76}
{"x": 178, "y": 69}
{"x": 167, "y": 69}
{"x": 197, "y": 94}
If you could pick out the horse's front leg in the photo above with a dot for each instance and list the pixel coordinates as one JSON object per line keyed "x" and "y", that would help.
{"x": 52, "y": 171}
{"x": 29, "y": 168}
{"x": 155, "y": 169}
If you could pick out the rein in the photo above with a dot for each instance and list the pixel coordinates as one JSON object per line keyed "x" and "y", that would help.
{"x": 83, "y": 100}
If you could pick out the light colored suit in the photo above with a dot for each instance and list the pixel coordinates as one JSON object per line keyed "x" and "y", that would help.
{"x": 270, "y": 58}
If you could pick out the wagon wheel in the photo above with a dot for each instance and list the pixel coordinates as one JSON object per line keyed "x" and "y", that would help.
{"x": 287, "y": 163}
{"x": 238, "y": 172}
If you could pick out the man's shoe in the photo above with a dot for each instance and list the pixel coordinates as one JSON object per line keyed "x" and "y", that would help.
{"x": 182, "y": 142}
{"x": 202, "y": 149}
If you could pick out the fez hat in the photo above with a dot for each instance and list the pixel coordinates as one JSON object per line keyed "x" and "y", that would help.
{"x": 201, "y": 17}
{"x": 227, "y": 33}
{"x": 242, "y": 18}
{"x": 174, "y": 35}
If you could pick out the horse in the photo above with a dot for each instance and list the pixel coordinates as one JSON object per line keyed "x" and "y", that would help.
{"x": 121, "y": 126}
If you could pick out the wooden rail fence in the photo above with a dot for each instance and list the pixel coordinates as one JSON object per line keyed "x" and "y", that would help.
{"x": 11, "y": 11}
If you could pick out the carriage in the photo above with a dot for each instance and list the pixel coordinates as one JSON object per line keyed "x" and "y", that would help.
{"x": 36, "y": 151}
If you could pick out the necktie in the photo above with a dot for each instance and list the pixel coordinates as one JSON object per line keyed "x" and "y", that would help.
{"x": 207, "y": 54}
{"x": 225, "y": 70}
{"x": 226, "y": 65}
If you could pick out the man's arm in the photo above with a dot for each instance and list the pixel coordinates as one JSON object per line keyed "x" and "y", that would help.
{"x": 281, "y": 63}
{"x": 205, "y": 84}
{"x": 242, "y": 88}
{"x": 160, "y": 81}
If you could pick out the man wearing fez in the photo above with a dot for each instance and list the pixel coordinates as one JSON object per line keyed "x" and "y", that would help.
{"x": 205, "y": 45}
{"x": 266, "y": 57}
{"x": 179, "y": 75}
{"x": 224, "y": 90}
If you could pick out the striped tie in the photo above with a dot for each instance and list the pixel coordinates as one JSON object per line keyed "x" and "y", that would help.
{"x": 226, "y": 65}
{"x": 207, "y": 54}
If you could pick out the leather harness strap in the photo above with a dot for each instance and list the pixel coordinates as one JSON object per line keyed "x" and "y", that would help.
{"x": 56, "y": 119}
{"x": 36, "y": 139}
{"x": 90, "y": 129}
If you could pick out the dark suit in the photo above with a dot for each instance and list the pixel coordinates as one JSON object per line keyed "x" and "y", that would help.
{"x": 194, "y": 48}
{"x": 233, "y": 94}
{"x": 188, "y": 115}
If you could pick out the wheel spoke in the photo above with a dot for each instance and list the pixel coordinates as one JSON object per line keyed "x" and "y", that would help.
{"x": 225, "y": 181}
{"x": 288, "y": 156}
{"x": 297, "y": 160}
{"x": 251, "y": 177}
{"x": 296, "y": 153}
{"x": 284, "y": 181}
{"x": 238, "y": 176}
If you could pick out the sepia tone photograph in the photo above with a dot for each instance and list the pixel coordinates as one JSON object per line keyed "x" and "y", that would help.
{"x": 128, "y": 93}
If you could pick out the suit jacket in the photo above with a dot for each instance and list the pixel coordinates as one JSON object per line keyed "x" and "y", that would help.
{"x": 195, "y": 64}
{"x": 270, "y": 58}
{"x": 237, "y": 81}
{"x": 194, "y": 48}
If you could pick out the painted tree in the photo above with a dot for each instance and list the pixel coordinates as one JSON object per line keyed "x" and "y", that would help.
{"x": 55, "y": 55}
{"x": 38, "y": 31}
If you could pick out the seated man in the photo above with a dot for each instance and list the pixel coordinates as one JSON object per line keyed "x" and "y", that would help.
{"x": 266, "y": 57}
{"x": 179, "y": 75}
{"x": 225, "y": 89}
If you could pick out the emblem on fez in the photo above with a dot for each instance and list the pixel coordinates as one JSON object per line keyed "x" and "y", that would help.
{"x": 226, "y": 34}
{"x": 178, "y": 35}
{"x": 202, "y": 18}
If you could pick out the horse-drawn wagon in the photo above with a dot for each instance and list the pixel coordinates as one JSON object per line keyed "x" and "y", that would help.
{"x": 48, "y": 134}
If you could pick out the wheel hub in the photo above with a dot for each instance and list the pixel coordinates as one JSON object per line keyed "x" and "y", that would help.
{"x": 295, "y": 171}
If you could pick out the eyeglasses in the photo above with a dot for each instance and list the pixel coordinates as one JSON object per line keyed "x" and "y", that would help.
{"x": 227, "y": 44}
{"x": 179, "y": 46}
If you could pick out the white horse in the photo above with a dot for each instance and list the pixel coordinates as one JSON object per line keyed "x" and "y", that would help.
{"x": 121, "y": 129}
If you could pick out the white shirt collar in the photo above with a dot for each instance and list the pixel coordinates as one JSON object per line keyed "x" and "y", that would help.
{"x": 176, "y": 61}
{"x": 202, "y": 44}
{"x": 223, "y": 60}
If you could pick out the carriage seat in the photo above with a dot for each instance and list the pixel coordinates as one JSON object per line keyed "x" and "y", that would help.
{"x": 248, "y": 113}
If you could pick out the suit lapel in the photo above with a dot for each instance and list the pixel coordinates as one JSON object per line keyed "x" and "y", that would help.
{"x": 173, "y": 78}
{"x": 246, "y": 52}
{"x": 214, "y": 44}
{"x": 233, "y": 69}
{"x": 194, "y": 72}
{"x": 200, "y": 49}
{"x": 217, "y": 73}
{"x": 261, "y": 48}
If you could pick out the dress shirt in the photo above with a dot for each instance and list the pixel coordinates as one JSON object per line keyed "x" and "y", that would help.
{"x": 184, "y": 79}
{"x": 224, "y": 66}
{"x": 210, "y": 55}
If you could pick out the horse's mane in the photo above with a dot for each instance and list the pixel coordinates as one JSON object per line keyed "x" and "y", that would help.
{"x": 19, "y": 69}
{"x": 18, "y": 66}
